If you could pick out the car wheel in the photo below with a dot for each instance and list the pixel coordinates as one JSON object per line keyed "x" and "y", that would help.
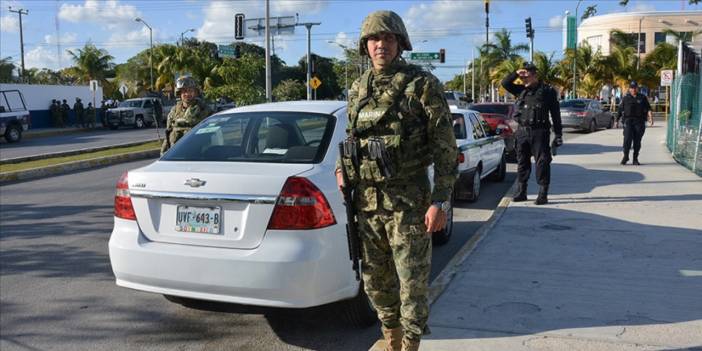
{"x": 443, "y": 236}
{"x": 13, "y": 133}
{"x": 611, "y": 123}
{"x": 358, "y": 311}
{"x": 593, "y": 127}
{"x": 139, "y": 123}
{"x": 499, "y": 174}
{"x": 475, "y": 191}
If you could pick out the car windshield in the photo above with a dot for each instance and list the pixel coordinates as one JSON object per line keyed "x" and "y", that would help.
{"x": 130, "y": 103}
{"x": 449, "y": 96}
{"x": 271, "y": 137}
{"x": 573, "y": 103}
{"x": 484, "y": 108}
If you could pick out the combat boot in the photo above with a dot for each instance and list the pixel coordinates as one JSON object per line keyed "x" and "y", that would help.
{"x": 542, "y": 199}
{"x": 625, "y": 159}
{"x": 636, "y": 160}
{"x": 521, "y": 194}
{"x": 393, "y": 338}
{"x": 410, "y": 344}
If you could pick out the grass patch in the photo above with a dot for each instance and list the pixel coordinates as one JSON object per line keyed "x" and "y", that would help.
{"x": 12, "y": 167}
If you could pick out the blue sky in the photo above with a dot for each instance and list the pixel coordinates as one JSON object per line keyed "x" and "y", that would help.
{"x": 455, "y": 25}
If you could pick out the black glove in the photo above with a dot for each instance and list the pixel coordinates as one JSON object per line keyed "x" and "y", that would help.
{"x": 558, "y": 141}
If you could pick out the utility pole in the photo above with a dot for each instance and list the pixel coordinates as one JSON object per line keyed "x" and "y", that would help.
{"x": 472, "y": 79}
{"x": 21, "y": 12}
{"x": 151, "y": 51}
{"x": 269, "y": 94}
{"x": 638, "y": 46}
{"x": 487, "y": 40}
{"x": 575, "y": 54}
{"x": 309, "y": 25}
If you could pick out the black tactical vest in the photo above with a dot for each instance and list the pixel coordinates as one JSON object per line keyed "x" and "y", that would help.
{"x": 533, "y": 107}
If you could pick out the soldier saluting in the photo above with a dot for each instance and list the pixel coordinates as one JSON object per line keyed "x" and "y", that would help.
{"x": 634, "y": 108}
{"x": 535, "y": 100}
{"x": 186, "y": 114}
{"x": 399, "y": 124}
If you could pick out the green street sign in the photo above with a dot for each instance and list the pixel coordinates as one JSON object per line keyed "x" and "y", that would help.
{"x": 225, "y": 50}
{"x": 571, "y": 32}
{"x": 424, "y": 56}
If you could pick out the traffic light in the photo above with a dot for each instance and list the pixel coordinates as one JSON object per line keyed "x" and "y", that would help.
{"x": 529, "y": 29}
{"x": 442, "y": 55}
{"x": 239, "y": 26}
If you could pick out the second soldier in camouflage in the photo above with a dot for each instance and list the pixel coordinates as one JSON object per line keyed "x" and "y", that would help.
{"x": 401, "y": 122}
{"x": 186, "y": 114}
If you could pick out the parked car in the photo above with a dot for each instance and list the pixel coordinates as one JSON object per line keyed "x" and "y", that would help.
{"x": 136, "y": 113}
{"x": 14, "y": 116}
{"x": 500, "y": 115}
{"x": 455, "y": 98}
{"x": 585, "y": 114}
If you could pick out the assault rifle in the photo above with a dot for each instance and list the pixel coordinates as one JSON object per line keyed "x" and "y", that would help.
{"x": 352, "y": 236}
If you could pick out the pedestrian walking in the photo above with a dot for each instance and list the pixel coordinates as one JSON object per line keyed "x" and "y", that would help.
{"x": 187, "y": 113}
{"x": 535, "y": 101}
{"x": 634, "y": 109}
{"x": 90, "y": 115}
{"x": 80, "y": 113}
{"x": 399, "y": 124}
{"x": 64, "y": 113}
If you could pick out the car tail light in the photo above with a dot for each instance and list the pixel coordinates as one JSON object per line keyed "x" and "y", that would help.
{"x": 301, "y": 205}
{"x": 461, "y": 157}
{"x": 581, "y": 114}
{"x": 123, "y": 202}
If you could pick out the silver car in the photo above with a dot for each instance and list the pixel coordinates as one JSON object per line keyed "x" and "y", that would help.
{"x": 585, "y": 114}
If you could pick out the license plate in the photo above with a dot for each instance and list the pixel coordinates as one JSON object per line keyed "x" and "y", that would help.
{"x": 198, "y": 219}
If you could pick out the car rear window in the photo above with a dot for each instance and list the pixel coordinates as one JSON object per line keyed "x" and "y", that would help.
{"x": 501, "y": 109}
{"x": 270, "y": 137}
{"x": 573, "y": 103}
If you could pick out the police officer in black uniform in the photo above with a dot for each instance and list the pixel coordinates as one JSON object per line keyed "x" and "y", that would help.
{"x": 535, "y": 100}
{"x": 634, "y": 108}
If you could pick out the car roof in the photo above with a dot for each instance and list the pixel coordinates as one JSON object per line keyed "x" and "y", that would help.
{"x": 455, "y": 109}
{"x": 324, "y": 107}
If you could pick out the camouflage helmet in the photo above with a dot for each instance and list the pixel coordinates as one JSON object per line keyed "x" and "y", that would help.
{"x": 186, "y": 82}
{"x": 384, "y": 21}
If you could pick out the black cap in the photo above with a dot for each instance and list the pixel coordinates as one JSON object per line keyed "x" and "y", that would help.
{"x": 529, "y": 67}
{"x": 633, "y": 84}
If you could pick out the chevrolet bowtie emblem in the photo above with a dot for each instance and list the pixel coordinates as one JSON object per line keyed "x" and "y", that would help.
{"x": 194, "y": 182}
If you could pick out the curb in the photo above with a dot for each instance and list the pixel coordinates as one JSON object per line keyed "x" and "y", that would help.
{"x": 442, "y": 281}
{"x": 34, "y": 173}
{"x": 70, "y": 153}
{"x": 47, "y": 133}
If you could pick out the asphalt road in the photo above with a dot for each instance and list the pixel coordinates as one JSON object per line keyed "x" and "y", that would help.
{"x": 57, "y": 290}
{"x": 75, "y": 141}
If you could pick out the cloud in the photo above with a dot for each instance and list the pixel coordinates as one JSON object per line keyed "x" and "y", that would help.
{"x": 136, "y": 38}
{"x": 43, "y": 57}
{"x": 110, "y": 14}
{"x": 441, "y": 18}
{"x": 9, "y": 24}
{"x": 218, "y": 24}
{"x": 556, "y": 22}
{"x": 342, "y": 39}
{"x": 66, "y": 38}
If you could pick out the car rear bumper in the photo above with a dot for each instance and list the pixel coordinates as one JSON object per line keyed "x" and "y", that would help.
{"x": 574, "y": 122}
{"x": 464, "y": 184}
{"x": 289, "y": 269}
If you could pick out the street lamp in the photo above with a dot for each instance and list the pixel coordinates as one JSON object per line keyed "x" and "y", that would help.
{"x": 181, "y": 34}
{"x": 151, "y": 51}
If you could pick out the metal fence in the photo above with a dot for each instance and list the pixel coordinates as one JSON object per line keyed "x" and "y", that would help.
{"x": 685, "y": 121}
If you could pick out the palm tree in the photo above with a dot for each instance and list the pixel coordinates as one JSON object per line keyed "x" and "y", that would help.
{"x": 547, "y": 69}
{"x": 622, "y": 39}
{"x": 505, "y": 68}
{"x": 6, "y": 68}
{"x": 686, "y": 37}
{"x": 503, "y": 49}
{"x": 91, "y": 63}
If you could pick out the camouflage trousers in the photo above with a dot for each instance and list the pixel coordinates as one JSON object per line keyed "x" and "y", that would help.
{"x": 396, "y": 264}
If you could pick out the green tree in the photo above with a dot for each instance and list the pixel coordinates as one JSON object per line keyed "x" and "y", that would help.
{"x": 323, "y": 68}
{"x": 589, "y": 12}
{"x": 239, "y": 80}
{"x": 503, "y": 49}
{"x": 91, "y": 63}
{"x": 663, "y": 56}
{"x": 686, "y": 37}
{"x": 622, "y": 39}
{"x": 6, "y": 69}
{"x": 290, "y": 90}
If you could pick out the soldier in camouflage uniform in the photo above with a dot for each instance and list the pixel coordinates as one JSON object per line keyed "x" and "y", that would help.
{"x": 402, "y": 106}
{"x": 187, "y": 113}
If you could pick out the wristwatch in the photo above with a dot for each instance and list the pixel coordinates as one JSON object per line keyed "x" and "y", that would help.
{"x": 444, "y": 206}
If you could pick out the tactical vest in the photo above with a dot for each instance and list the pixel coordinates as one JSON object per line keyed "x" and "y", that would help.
{"x": 633, "y": 107}
{"x": 393, "y": 117}
{"x": 534, "y": 113}
{"x": 189, "y": 117}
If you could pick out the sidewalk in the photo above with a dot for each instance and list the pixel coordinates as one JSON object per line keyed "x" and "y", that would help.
{"x": 614, "y": 262}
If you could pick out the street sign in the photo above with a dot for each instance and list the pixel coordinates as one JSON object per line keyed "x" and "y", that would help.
{"x": 315, "y": 83}
{"x": 123, "y": 89}
{"x": 570, "y": 35}
{"x": 93, "y": 85}
{"x": 239, "y": 26}
{"x": 424, "y": 56}
{"x": 666, "y": 78}
{"x": 225, "y": 50}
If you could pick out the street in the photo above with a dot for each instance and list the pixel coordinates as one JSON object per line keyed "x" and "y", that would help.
{"x": 58, "y": 290}
{"x": 77, "y": 141}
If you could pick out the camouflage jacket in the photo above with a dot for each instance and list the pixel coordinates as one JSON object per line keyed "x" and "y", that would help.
{"x": 180, "y": 118}
{"x": 405, "y": 106}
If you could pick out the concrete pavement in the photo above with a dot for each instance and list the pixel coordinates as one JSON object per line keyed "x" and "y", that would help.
{"x": 614, "y": 262}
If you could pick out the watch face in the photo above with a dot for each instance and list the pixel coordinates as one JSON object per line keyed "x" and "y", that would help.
{"x": 445, "y": 206}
